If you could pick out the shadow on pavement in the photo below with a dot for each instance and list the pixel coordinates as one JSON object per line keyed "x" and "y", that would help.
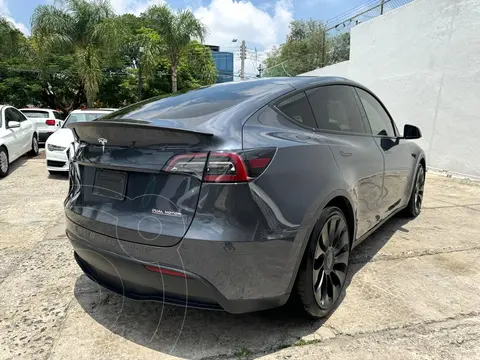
{"x": 17, "y": 164}
{"x": 62, "y": 176}
{"x": 197, "y": 334}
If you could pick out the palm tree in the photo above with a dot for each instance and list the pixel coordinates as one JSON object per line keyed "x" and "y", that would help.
{"x": 81, "y": 27}
{"x": 177, "y": 30}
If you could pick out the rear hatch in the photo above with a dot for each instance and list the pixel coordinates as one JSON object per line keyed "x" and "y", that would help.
{"x": 122, "y": 184}
{"x": 42, "y": 119}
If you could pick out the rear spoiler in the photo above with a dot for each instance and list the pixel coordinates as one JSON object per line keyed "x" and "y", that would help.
{"x": 135, "y": 134}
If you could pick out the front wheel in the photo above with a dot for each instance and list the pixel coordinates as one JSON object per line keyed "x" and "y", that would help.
{"x": 35, "y": 150}
{"x": 414, "y": 206}
{"x": 323, "y": 272}
{"x": 4, "y": 164}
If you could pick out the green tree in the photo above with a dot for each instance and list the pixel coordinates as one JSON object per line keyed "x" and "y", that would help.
{"x": 82, "y": 28}
{"x": 196, "y": 67}
{"x": 338, "y": 48}
{"x": 306, "y": 48}
{"x": 19, "y": 83}
{"x": 177, "y": 30}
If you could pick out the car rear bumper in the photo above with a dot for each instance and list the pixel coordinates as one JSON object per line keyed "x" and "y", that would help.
{"x": 219, "y": 275}
{"x": 57, "y": 160}
{"x": 43, "y": 134}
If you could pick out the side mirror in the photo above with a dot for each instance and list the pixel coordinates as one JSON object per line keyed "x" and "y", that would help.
{"x": 411, "y": 132}
{"x": 13, "y": 124}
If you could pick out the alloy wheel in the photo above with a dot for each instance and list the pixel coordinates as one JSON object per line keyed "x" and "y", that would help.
{"x": 35, "y": 145}
{"x": 3, "y": 161}
{"x": 419, "y": 188}
{"x": 331, "y": 261}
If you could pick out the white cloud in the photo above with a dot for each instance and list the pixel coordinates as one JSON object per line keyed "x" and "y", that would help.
{"x": 237, "y": 19}
{"x": 231, "y": 19}
{"x": 133, "y": 6}
{"x": 6, "y": 14}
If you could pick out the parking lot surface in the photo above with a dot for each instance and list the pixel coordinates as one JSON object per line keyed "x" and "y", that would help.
{"x": 413, "y": 292}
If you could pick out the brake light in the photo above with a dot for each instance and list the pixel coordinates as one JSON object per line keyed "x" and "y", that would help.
{"x": 225, "y": 167}
{"x": 165, "y": 271}
{"x": 222, "y": 166}
{"x": 50, "y": 122}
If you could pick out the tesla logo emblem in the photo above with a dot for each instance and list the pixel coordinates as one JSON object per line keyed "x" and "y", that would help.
{"x": 103, "y": 142}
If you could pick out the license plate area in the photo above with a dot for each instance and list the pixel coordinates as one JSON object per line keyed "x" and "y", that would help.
{"x": 110, "y": 184}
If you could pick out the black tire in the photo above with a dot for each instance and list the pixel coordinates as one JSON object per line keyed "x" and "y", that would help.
{"x": 414, "y": 206}
{"x": 323, "y": 272}
{"x": 4, "y": 163}
{"x": 35, "y": 149}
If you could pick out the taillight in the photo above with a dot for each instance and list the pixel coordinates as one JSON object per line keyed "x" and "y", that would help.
{"x": 50, "y": 122}
{"x": 222, "y": 166}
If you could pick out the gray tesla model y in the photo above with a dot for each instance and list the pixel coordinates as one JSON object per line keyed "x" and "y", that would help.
{"x": 239, "y": 196}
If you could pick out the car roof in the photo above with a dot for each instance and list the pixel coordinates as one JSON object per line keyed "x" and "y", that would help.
{"x": 36, "y": 109}
{"x": 300, "y": 82}
{"x": 92, "y": 111}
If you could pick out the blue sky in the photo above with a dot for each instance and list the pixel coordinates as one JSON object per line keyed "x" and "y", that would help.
{"x": 261, "y": 23}
{"x": 21, "y": 10}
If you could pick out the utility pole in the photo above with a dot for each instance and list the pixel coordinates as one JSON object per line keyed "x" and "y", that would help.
{"x": 140, "y": 79}
{"x": 382, "y": 2}
{"x": 243, "y": 56}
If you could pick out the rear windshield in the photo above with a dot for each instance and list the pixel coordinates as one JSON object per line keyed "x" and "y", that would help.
{"x": 81, "y": 117}
{"x": 194, "y": 103}
{"x": 35, "y": 114}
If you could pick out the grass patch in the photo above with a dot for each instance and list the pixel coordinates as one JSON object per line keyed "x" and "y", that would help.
{"x": 243, "y": 353}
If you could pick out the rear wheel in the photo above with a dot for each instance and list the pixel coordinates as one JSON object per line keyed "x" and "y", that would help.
{"x": 414, "y": 206}
{"x": 35, "y": 150}
{"x": 323, "y": 272}
{"x": 4, "y": 165}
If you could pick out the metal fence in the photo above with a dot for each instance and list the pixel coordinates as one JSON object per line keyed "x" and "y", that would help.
{"x": 344, "y": 22}
{"x": 336, "y": 36}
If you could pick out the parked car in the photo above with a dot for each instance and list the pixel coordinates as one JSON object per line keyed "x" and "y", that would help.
{"x": 59, "y": 145}
{"x": 18, "y": 135}
{"x": 241, "y": 195}
{"x": 48, "y": 121}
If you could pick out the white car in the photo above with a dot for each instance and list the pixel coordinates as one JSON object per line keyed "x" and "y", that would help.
{"x": 60, "y": 144}
{"x": 18, "y": 135}
{"x": 48, "y": 121}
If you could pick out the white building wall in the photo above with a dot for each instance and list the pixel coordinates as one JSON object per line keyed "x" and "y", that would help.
{"x": 423, "y": 61}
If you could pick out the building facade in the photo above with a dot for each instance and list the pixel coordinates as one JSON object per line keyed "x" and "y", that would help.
{"x": 223, "y": 63}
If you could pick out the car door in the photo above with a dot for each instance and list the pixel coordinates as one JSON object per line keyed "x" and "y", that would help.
{"x": 26, "y": 130}
{"x": 337, "y": 113}
{"x": 398, "y": 159}
{"x": 13, "y": 137}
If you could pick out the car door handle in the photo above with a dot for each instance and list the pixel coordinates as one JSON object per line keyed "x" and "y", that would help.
{"x": 343, "y": 153}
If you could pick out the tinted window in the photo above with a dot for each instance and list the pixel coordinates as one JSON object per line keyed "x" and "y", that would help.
{"x": 81, "y": 117}
{"x": 9, "y": 116}
{"x": 377, "y": 116}
{"x": 335, "y": 109}
{"x": 14, "y": 115}
{"x": 195, "y": 103}
{"x": 58, "y": 115}
{"x": 298, "y": 108}
{"x": 35, "y": 114}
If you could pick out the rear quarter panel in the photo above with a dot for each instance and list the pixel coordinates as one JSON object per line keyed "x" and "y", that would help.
{"x": 299, "y": 182}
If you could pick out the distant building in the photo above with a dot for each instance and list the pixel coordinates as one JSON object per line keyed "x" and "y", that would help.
{"x": 223, "y": 63}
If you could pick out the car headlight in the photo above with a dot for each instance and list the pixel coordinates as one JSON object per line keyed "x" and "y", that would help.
{"x": 55, "y": 147}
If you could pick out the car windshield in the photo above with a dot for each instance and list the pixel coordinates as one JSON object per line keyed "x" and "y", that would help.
{"x": 81, "y": 117}
{"x": 35, "y": 114}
